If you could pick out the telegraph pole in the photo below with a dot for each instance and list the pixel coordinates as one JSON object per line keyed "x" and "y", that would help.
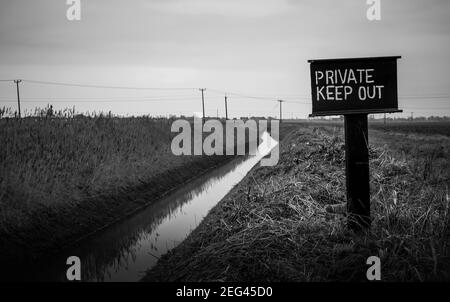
{"x": 18, "y": 95}
{"x": 281, "y": 116}
{"x": 226, "y": 108}
{"x": 203, "y": 102}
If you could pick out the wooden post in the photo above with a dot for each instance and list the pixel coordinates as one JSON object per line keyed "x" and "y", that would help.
{"x": 281, "y": 111}
{"x": 357, "y": 171}
{"x": 226, "y": 108}
{"x": 18, "y": 95}
{"x": 203, "y": 103}
{"x": 281, "y": 116}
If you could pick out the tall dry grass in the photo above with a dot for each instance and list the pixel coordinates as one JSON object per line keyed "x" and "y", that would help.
{"x": 52, "y": 160}
{"x": 275, "y": 226}
{"x": 63, "y": 178}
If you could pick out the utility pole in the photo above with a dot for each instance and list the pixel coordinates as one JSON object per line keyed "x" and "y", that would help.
{"x": 226, "y": 108}
{"x": 281, "y": 116}
{"x": 203, "y": 103}
{"x": 385, "y": 119}
{"x": 18, "y": 95}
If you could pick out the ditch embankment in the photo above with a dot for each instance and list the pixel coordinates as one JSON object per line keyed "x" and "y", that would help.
{"x": 276, "y": 225}
{"x": 62, "y": 180}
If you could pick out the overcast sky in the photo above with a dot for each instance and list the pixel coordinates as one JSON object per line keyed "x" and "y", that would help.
{"x": 251, "y": 47}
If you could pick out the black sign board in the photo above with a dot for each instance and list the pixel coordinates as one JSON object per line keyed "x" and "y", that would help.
{"x": 356, "y": 85}
{"x": 355, "y": 88}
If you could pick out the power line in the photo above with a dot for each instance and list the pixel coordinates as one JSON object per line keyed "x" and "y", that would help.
{"x": 294, "y": 99}
{"x": 105, "y": 98}
{"x": 424, "y": 97}
{"x": 266, "y": 96}
{"x": 96, "y": 101}
{"x": 437, "y": 96}
{"x": 243, "y": 95}
{"x": 105, "y": 87}
{"x": 124, "y": 98}
{"x": 425, "y": 109}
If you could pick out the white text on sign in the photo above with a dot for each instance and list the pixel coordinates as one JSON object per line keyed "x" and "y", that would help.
{"x": 338, "y": 85}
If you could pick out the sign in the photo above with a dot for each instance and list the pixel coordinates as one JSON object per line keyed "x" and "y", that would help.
{"x": 356, "y": 85}
{"x": 355, "y": 88}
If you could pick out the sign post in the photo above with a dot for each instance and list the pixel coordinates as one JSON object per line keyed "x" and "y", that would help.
{"x": 354, "y": 88}
{"x": 357, "y": 170}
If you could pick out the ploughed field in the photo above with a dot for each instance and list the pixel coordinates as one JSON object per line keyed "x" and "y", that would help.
{"x": 275, "y": 225}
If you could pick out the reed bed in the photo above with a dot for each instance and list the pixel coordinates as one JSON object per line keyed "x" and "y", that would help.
{"x": 64, "y": 178}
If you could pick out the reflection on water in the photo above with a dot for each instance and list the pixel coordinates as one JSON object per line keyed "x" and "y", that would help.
{"x": 126, "y": 250}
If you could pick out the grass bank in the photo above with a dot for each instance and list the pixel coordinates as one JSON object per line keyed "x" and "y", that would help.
{"x": 274, "y": 226}
{"x": 62, "y": 179}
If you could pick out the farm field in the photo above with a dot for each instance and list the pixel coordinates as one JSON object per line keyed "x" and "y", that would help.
{"x": 276, "y": 225}
{"x": 62, "y": 179}
{"x": 421, "y": 127}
